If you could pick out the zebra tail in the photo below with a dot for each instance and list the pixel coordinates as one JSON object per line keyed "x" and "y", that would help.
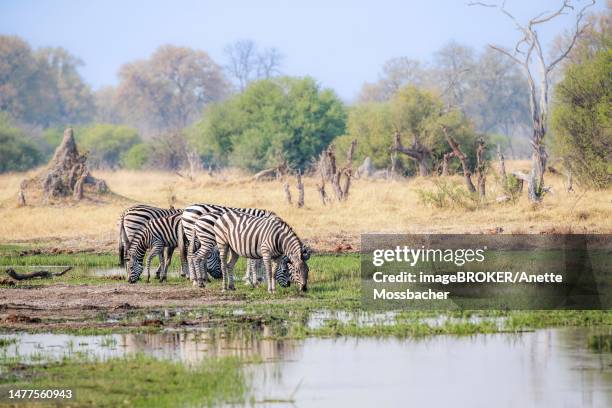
{"x": 123, "y": 240}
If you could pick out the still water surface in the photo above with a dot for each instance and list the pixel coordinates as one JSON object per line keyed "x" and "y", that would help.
{"x": 545, "y": 368}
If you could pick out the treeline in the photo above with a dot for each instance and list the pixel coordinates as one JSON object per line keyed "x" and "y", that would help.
{"x": 181, "y": 106}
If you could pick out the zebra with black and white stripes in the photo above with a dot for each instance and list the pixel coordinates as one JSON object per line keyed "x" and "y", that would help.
{"x": 205, "y": 236}
{"x": 268, "y": 238}
{"x": 190, "y": 217}
{"x": 133, "y": 220}
{"x": 253, "y": 274}
{"x": 158, "y": 234}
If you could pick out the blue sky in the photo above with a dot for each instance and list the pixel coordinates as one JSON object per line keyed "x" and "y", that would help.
{"x": 340, "y": 43}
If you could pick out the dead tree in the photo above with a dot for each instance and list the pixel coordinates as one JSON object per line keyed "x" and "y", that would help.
{"x": 445, "y": 161}
{"x": 528, "y": 48}
{"x": 195, "y": 164}
{"x": 481, "y": 167}
{"x": 287, "y": 193}
{"x": 300, "y": 188}
{"x": 21, "y": 201}
{"x": 273, "y": 173}
{"x": 462, "y": 158}
{"x": 348, "y": 170}
{"x": 502, "y": 165}
{"x": 417, "y": 152}
{"x": 340, "y": 178}
{"x": 322, "y": 193}
{"x": 393, "y": 170}
{"x": 36, "y": 274}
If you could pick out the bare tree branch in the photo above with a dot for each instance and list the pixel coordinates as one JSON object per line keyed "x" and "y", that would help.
{"x": 578, "y": 31}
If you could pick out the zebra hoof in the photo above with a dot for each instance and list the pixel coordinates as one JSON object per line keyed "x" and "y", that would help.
{"x": 232, "y": 287}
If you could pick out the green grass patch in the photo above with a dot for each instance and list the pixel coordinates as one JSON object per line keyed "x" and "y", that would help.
{"x": 4, "y": 343}
{"x": 133, "y": 381}
{"x": 403, "y": 329}
{"x": 537, "y": 319}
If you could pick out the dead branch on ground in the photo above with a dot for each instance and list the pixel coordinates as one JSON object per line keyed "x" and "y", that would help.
{"x": 36, "y": 274}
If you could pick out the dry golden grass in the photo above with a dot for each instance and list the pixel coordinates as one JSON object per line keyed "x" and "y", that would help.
{"x": 373, "y": 206}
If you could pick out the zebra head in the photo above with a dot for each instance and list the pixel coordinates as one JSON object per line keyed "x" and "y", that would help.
{"x": 282, "y": 273}
{"x": 298, "y": 269}
{"x": 135, "y": 269}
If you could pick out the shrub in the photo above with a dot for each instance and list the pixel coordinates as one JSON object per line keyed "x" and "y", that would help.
{"x": 137, "y": 157}
{"x": 16, "y": 152}
{"x": 107, "y": 143}
{"x": 448, "y": 195}
{"x": 581, "y": 121}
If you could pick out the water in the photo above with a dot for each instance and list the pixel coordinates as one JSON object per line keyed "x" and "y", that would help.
{"x": 545, "y": 368}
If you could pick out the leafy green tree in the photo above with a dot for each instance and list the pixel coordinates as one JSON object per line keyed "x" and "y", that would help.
{"x": 106, "y": 143}
{"x": 16, "y": 152}
{"x": 137, "y": 157}
{"x": 581, "y": 120}
{"x": 273, "y": 120}
{"x": 370, "y": 124}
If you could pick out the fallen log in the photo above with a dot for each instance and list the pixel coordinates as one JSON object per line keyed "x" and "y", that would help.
{"x": 36, "y": 274}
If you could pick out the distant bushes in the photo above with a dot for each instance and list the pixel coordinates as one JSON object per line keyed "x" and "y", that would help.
{"x": 107, "y": 144}
{"x": 17, "y": 153}
{"x": 582, "y": 123}
{"x": 137, "y": 157}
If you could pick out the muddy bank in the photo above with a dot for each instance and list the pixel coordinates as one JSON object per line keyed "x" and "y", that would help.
{"x": 62, "y": 306}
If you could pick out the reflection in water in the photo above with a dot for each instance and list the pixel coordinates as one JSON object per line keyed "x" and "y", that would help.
{"x": 551, "y": 367}
{"x": 193, "y": 346}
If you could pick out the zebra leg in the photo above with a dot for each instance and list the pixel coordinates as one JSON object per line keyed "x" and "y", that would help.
{"x": 162, "y": 261}
{"x": 149, "y": 258}
{"x": 223, "y": 257}
{"x": 199, "y": 256}
{"x": 230, "y": 267}
{"x": 250, "y": 274}
{"x": 164, "y": 276}
{"x": 259, "y": 270}
{"x": 191, "y": 261}
{"x": 191, "y": 266}
{"x": 247, "y": 273}
{"x": 160, "y": 269}
{"x": 268, "y": 267}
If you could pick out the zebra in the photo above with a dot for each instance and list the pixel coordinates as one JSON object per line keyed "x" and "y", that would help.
{"x": 267, "y": 238}
{"x": 133, "y": 220}
{"x": 253, "y": 276}
{"x": 189, "y": 218}
{"x": 159, "y": 234}
{"x": 255, "y": 270}
{"x": 203, "y": 233}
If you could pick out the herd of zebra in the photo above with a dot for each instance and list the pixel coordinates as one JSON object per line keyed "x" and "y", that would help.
{"x": 204, "y": 235}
